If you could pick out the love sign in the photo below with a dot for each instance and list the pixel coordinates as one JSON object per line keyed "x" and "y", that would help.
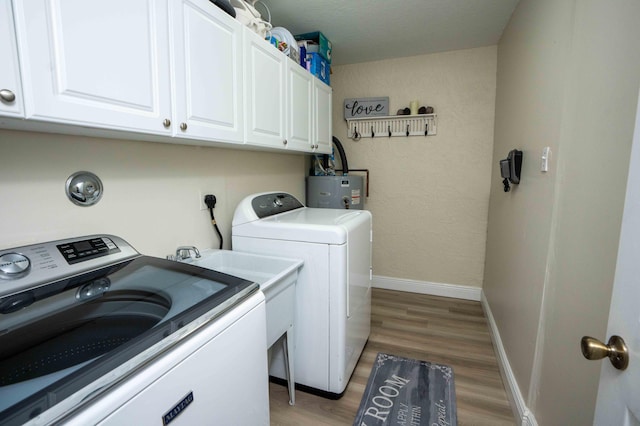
{"x": 366, "y": 107}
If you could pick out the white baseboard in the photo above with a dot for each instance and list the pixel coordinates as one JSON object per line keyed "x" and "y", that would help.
{"x": 425, "y": 287}
{"x": 520, "y": 409}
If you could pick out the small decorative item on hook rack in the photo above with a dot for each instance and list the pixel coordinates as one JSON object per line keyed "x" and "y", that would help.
{"x": 413, "y": 107}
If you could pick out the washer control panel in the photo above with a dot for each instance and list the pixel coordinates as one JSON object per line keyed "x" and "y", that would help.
{"x": 30, "y": 266}
{"x": 78, "y": 251}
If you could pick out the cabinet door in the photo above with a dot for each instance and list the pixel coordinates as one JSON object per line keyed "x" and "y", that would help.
{"x": 265, "y": 92}
{"x": 299, "y": 107}
{"x": 323, "y": 131}
{"x": 98, "y": 64}
{"x": 207, "y": 66}
{"x": 10, "y": 91}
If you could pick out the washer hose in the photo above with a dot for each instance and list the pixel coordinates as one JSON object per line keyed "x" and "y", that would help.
{"x": 343, "y": 156}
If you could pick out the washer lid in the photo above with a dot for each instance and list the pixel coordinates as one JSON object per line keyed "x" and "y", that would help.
{"x": 66, "y": 338}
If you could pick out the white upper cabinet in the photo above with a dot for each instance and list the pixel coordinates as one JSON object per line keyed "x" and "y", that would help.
{"x": 10, "y": 89}
{"x": 265, "y": 92}
{"x": 178, "y": 71}
{"x": 322, "y": 129}
{"x": 98, "y": 64}
{"x": 279, "y": 99}
{"x": 299, "y": 107}
{"x": 207, "y": 72}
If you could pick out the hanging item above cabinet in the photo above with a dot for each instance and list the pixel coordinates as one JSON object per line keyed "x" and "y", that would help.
{"x": 249, "y": 16}
{"x": 224, "y": 5}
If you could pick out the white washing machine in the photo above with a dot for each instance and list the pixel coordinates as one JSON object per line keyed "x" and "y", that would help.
{"x": 333, "y": 294}
{"x": 92, "y": 332}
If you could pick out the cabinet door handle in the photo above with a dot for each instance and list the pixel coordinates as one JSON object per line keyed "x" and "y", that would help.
{"x": 183, "y": 126}
{"x": 7, "y": 95}
{"x": 284, "y": 142}
{"x": 166, "y": 123}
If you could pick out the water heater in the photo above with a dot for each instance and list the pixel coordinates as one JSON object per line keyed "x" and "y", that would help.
{"x": 335, "y": 192}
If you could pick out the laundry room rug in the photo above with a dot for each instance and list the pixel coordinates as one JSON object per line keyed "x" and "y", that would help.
{"x": 408, "y": 392}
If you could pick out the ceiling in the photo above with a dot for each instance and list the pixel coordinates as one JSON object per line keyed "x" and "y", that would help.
{"x": 369, "y": 30}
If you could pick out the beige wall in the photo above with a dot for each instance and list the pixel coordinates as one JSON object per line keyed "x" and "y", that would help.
{"x": 568, "y": 77}
{"x": 151, "y": 189}
{"x": 532, "y": 57}
{"x": 428, "y": 196}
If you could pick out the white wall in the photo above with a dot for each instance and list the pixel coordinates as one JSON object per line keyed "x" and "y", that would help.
{"x": 568, "y": 78}
{"x": 150, "y": 189}
{"x": 428, "y": 196}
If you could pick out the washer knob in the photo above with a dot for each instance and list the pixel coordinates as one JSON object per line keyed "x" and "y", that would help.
{"x": 14, "y": 265}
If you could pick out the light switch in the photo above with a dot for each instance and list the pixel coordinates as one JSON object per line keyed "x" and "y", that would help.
{"x": 544, "y": 165}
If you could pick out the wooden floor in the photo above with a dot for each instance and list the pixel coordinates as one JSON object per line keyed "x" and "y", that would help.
{"x": 436, "y": 329}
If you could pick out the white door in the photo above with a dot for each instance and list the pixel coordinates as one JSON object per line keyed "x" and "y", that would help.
{"x": 10, "y": 89}
{"x": 265, "y": 92}
{"x": 99, "y": 64}
{"x": 619, "y": 392}
{"x": 207, "y": 61}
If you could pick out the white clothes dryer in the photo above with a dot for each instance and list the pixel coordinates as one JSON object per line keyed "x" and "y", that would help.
{"x": 333, "y": 294}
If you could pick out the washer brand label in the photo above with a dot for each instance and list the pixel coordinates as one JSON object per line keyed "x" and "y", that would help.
{"x": 171, "y": 415}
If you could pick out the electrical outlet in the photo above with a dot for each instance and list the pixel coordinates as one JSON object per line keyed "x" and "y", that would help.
{"x": 201, "y": 203}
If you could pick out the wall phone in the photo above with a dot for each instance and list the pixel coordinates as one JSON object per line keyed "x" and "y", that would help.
{"x": 510, "y": 169}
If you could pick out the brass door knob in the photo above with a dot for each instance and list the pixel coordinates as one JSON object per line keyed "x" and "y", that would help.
{"x": 616, "y": 350}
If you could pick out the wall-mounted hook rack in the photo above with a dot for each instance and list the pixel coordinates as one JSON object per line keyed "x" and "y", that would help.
{"x": 395, "y": 125}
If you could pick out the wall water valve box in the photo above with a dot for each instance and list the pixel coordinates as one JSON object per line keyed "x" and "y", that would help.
{"x": 319, "y": 39}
